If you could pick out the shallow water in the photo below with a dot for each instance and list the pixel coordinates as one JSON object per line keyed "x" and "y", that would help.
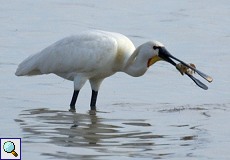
{"x": 161, "y": 134}
{"x": 161, "y": 115}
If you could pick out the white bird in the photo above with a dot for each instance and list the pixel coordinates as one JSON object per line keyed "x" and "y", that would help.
{"x": 93, "y": 55}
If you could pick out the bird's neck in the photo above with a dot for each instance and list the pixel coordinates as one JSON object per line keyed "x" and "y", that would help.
{"x": 136, "y": 66}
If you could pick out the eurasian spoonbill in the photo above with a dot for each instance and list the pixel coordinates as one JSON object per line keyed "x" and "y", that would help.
{"x": 95, "y": 55}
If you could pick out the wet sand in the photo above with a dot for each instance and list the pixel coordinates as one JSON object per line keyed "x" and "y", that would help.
{"x": 161, "y": 115}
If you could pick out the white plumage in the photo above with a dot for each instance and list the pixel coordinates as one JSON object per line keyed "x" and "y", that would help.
{"x": 93, "y": 56}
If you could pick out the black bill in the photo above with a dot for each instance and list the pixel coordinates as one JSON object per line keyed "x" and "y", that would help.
{"x": 165, "y": 55}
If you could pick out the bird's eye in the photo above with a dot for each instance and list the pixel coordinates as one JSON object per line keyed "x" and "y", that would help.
{"x": 156, "y": 47}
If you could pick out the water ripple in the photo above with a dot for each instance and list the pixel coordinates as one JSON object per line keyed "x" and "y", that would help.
{"x": 85, "y": 136}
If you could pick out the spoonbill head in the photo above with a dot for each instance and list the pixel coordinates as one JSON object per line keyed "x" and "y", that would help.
{"x": 94, "y": 55}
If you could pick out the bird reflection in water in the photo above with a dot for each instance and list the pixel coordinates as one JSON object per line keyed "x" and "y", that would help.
{"x": 84, "y": 129}
{"x": 85, "y": 133}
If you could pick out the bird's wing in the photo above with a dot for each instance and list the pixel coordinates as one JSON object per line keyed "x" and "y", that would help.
{"x": 80, "y": 53}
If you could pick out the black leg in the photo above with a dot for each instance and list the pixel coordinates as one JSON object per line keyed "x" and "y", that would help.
{"x": 73, "y": 101}
{"x": 93, "y": 100}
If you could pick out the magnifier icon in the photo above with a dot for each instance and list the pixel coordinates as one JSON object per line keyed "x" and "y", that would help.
{"x": 9, "y": 147}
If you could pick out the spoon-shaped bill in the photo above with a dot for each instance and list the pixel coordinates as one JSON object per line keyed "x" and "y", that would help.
{"x": 165, "y": 55}
{"x": 198, "y": 82}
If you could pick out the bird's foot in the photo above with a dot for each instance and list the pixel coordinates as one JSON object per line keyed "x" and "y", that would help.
{"x": 72, "y": 109}
{"x": 92, "y": 112}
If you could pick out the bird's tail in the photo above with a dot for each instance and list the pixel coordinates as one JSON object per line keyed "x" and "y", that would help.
{"x": 28, "y": 67}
